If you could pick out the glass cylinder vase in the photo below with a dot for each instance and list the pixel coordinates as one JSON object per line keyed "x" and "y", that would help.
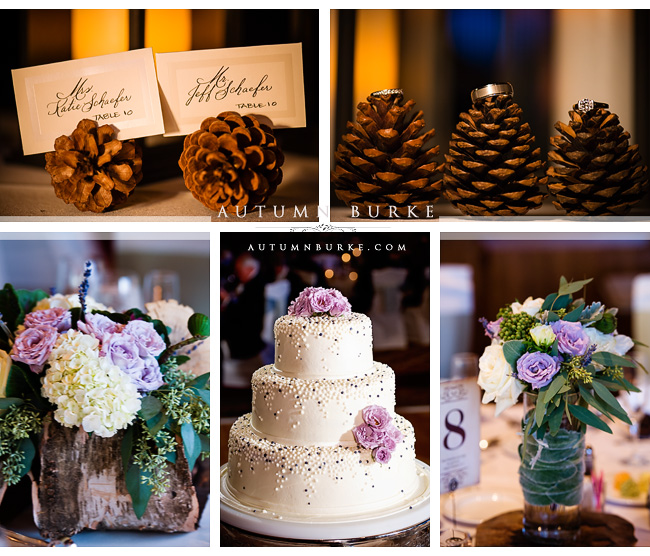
{"x": 551, "y": 475}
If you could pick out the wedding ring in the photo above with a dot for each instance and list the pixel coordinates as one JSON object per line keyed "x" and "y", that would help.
{"x": 388, "y": 92}
{"x": 586, "y": 105}
{"x": 491, "y": 90}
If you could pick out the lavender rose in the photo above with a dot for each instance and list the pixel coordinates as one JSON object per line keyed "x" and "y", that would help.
{"x": 56, "y": 317}
{"x": 148, "y": 340}
{"x": 99, "y": 326}
{"x": 376, "y": 417}
{"x": 300, "y": 307}
{"x": 123, "y": 351}
{"x": 319, "y": 300}
{"x": 33, "y": 346}
{"x": 571, "y": 337}
{"x": 381, "y": 454}
{"x": 368, "y": 437}
{"x": 340, "y": 304}
{"x": 151, "y": 377}
{"x": 537, "y": 368}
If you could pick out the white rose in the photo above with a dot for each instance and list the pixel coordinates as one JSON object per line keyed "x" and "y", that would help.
{"x": 496, "y": 380}
{"x": 603, "y": 342}
{"x": 530, "y": 306}
{"x": 5, "y": 367}
{"x": 623, "y": 344}
{"x": 543, "y": 335}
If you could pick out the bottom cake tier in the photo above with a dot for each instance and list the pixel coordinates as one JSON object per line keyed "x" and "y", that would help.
{"x": 318, "y": 480}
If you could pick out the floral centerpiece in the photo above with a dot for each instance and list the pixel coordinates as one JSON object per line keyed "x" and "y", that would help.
{"x": 567, "y": 357}
{"x": 75, "y": 361}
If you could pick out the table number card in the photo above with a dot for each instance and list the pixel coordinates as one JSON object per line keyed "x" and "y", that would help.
{"x": 264, "y": 80}
{"x": 117, "y": 89}
{"x": 460, "y": 457}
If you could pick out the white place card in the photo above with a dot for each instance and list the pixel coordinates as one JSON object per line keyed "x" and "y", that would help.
{"x": 460, "y": 431}
{"x": 258, "y": 80}
{"x": 117, "y": 89}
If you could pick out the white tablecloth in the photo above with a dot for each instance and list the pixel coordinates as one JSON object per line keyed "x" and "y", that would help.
{"x": 500, "y": 463}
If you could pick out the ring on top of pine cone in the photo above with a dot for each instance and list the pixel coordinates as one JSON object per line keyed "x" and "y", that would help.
{"x": 383, "y": 92}
{"x": 587, "y": 105}
{"x": 491, "y": 90}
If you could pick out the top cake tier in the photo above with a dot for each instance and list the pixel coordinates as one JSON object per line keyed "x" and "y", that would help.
{"x": 323, "y": 346}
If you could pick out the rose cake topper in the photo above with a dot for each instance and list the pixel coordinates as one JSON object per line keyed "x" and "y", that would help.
{"x": 318, "y": 302}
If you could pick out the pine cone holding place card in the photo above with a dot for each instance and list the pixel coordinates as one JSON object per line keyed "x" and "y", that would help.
{"x": 382, "y": 161}
{"x": 92, "y": 169}
{"x": 492, "y": 167}
{"x": 232, "y": 162}
{"x": 595, "y": 170}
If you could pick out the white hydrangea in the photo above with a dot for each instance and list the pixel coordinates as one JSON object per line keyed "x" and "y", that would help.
{"x": 69, "y": 302}
{"x": 89, "y": 392}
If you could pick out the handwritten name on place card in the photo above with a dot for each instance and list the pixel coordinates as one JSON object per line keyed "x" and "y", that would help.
{"x": 120, "y": 89}
{"x": 265, "y": 80}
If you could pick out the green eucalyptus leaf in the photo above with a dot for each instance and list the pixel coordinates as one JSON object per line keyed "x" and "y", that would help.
{"x": 593, "y": 402}
{"x": 150, "y": 406}
{"x": 200, "y": 382}
{"x": 567, "y": 288}
{"x": 157, "y": 422}
{"x": 26, "y": 446}
{"x": 552, "y": 317}
{"x": 589, "y": 418}
{"x": 203, "y": 394}
{"x": 6, "y": 403}
{"x": 191, "y": 444}
{"x": 608, "y": 359}
{"x": 574, "y": 315}
{"x": 512, "y": 351}
{"x": 608, "y": 398}
{"x": 205, "y": 443}
{"x": 554, "y": 387}
{"x": 140, "y": 493}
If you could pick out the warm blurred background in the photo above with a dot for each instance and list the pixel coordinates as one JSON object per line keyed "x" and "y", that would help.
{"x": 47, "y": 36}
{"x": 553, "y": 58}
{"x": 128, "y": 270}
{"x": 262, "y": 274}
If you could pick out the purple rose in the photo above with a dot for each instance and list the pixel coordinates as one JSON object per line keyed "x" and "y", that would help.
{"x": 381, "y": 455}
{"x": 368, "y": 437}
{"x": 34, "y": 345}
{"x": 319, "y": 300}
{"x": 122, "y": 350}
{"x": 571, "y": 337}
{"x": 57, "y": 317}
{"x": 394, "y": 434}
{"x": 537, "y": 368}
{"x": 151, "y": 377}
{"x": 99, "y": 326}
{"x": 376, "y": 417}
{"x": 145, "y": 335}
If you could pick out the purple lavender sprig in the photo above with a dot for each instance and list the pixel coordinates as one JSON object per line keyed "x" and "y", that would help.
{"x": 83, "y": 290}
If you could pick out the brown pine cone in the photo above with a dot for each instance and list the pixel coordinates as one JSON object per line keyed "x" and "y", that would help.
{"x": 596, "y": 171}
{"x": 492, "y": 167}
{"x": 382, "y": 164}
{"x": 93, "y": 170}
{"x": 233, "y": 162}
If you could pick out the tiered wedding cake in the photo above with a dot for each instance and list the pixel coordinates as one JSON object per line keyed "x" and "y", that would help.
{"x": 323, "y": 438}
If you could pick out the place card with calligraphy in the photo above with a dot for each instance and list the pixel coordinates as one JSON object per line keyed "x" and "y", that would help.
{"x": 118, "y": 89}
{"x": 259, "y": 80}
{"x": 460, "y": 431}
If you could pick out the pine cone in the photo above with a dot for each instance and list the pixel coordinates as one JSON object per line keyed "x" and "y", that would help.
{"x": 492, "y": 167}
{"x": 232, "y": 162}
{"x": 382, "y": 161}
{"x": 93, "y": 170}
{"x": 597, "y": 171}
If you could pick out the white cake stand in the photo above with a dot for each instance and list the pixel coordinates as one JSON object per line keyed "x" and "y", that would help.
{"x": 412, "y": 514}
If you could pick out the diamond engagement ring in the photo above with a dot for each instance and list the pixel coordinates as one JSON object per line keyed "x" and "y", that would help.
{"x": 493, "y": 89}
{"x": 388, "y": 92}
{"x": 586, "y": 105}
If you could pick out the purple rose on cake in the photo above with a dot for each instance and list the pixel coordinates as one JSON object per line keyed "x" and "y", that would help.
{"x": 34, "y": 345}
{"x": 377, "y": 417}
{"x": 378, "y": 433}
{"x": 318, "y": 301}
{"x": 57, "y": 317}
{"x": 381, "y": 454}
{"x": 368, "y": 437}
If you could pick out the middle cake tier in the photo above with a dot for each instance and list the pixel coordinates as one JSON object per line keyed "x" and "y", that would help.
{"x": 317, "y": 412}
